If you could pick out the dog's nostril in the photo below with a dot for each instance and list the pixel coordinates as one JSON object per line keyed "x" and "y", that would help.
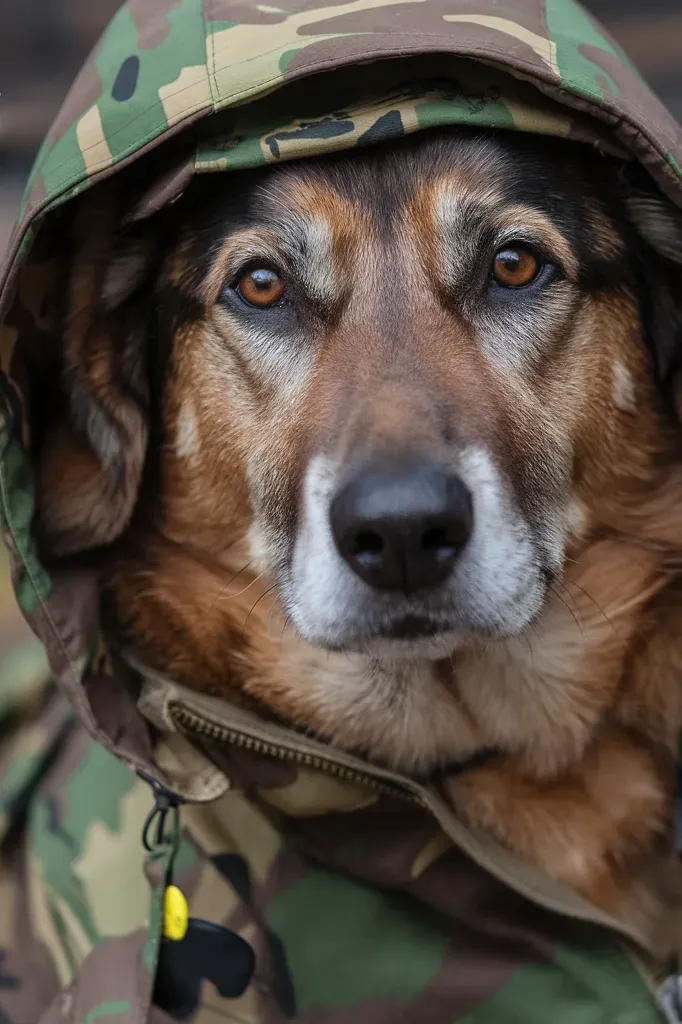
{"x": 368, "y": 544}
{"x": 437, "y": 539}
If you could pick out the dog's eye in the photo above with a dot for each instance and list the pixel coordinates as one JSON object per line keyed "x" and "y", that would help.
{"x": 261, "y": 287}
{"x": 515, "y": 267}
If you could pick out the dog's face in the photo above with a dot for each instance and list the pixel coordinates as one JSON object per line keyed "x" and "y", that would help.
{"x": 403, "y": 380}
{"x": 403, "y": 385}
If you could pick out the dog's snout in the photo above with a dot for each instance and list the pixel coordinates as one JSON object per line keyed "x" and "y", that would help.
{"x": 402, "y": 527}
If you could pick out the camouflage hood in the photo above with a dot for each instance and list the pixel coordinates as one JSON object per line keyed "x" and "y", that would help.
{"x": 184, "y": 87}
{"x": 540, "y": 66}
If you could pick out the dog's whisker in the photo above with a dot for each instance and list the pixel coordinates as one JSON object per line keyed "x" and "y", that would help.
{"x": 231, "y": 597}
{"x": 231, "y": 581}
{"x": 268, "y": 621}
{"x": 253, "y": 607}
{"x": 284, "y": 629}
{"x": 575, "y": 614}
{"x": 592, "y": 600}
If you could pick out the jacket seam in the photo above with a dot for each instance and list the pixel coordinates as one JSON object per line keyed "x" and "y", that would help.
{"x": 209, "y": 45}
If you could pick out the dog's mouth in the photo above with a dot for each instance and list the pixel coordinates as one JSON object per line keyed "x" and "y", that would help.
{"x": 409, "y": 635}
{"x": 411, "y": 627}
{"x": 430, "y": 629}
{"x": 415, "y": 636}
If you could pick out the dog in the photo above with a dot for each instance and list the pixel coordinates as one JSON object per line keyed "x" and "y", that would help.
{"x": 386, "y": 445}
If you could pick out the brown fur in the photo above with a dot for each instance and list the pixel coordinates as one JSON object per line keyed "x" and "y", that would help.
{"x": 582, "y": 702}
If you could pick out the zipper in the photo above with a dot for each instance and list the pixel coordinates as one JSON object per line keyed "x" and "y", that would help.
{"x": 190, "y": 721}
{"x": 273, "y": 741}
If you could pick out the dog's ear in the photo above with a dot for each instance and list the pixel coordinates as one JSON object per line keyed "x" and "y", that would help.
{"x": 91, "y": 459}
{"x": 658, "y": 225}
{"x": 659, "y": 221}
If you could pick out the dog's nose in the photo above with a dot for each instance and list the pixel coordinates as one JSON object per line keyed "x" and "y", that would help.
{"x": 402, "y": 527}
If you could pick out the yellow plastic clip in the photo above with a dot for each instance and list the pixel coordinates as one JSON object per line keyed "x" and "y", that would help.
{"x": 175, "y": 913}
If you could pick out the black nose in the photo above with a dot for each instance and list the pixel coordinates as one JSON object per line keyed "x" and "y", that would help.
{"x": 402, "y": 527}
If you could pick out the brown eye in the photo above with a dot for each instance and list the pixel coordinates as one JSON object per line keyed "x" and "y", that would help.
{"x": 261, "y": 287}
{"x": 515, "y": 267}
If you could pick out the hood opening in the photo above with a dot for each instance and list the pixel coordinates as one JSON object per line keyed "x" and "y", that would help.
{"x": 390, "y": 99}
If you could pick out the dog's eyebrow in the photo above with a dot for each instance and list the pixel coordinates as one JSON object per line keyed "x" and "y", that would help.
{"x": 522, "y": 221}
{"x": 302, "y": 241}
{"x": 308, "y": 240}
{"x": 459, "y": 207}
{"x": 234, "y": 252}
{"x": 466, "y": 216}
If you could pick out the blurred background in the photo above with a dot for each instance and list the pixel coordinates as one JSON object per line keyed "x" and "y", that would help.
{"x": 44, "y": 42}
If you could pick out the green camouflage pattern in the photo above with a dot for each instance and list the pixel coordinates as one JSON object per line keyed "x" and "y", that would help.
{"x": 380, "y": 107}
{"x": 347, "y": 920}
{"x": 360, "y": 904}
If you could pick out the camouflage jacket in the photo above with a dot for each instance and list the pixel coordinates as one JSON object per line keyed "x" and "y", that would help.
{"x": 320, "y": 888}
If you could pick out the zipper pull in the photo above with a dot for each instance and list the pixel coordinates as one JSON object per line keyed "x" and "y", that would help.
{"x": 162, "y": 830}
{"x": 190, "y": 949}
{"x": 166, "y": 805}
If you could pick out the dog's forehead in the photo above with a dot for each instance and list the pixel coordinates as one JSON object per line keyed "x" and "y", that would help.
{"x": 382, "y": 184}
{"x": 483, "y": 172}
